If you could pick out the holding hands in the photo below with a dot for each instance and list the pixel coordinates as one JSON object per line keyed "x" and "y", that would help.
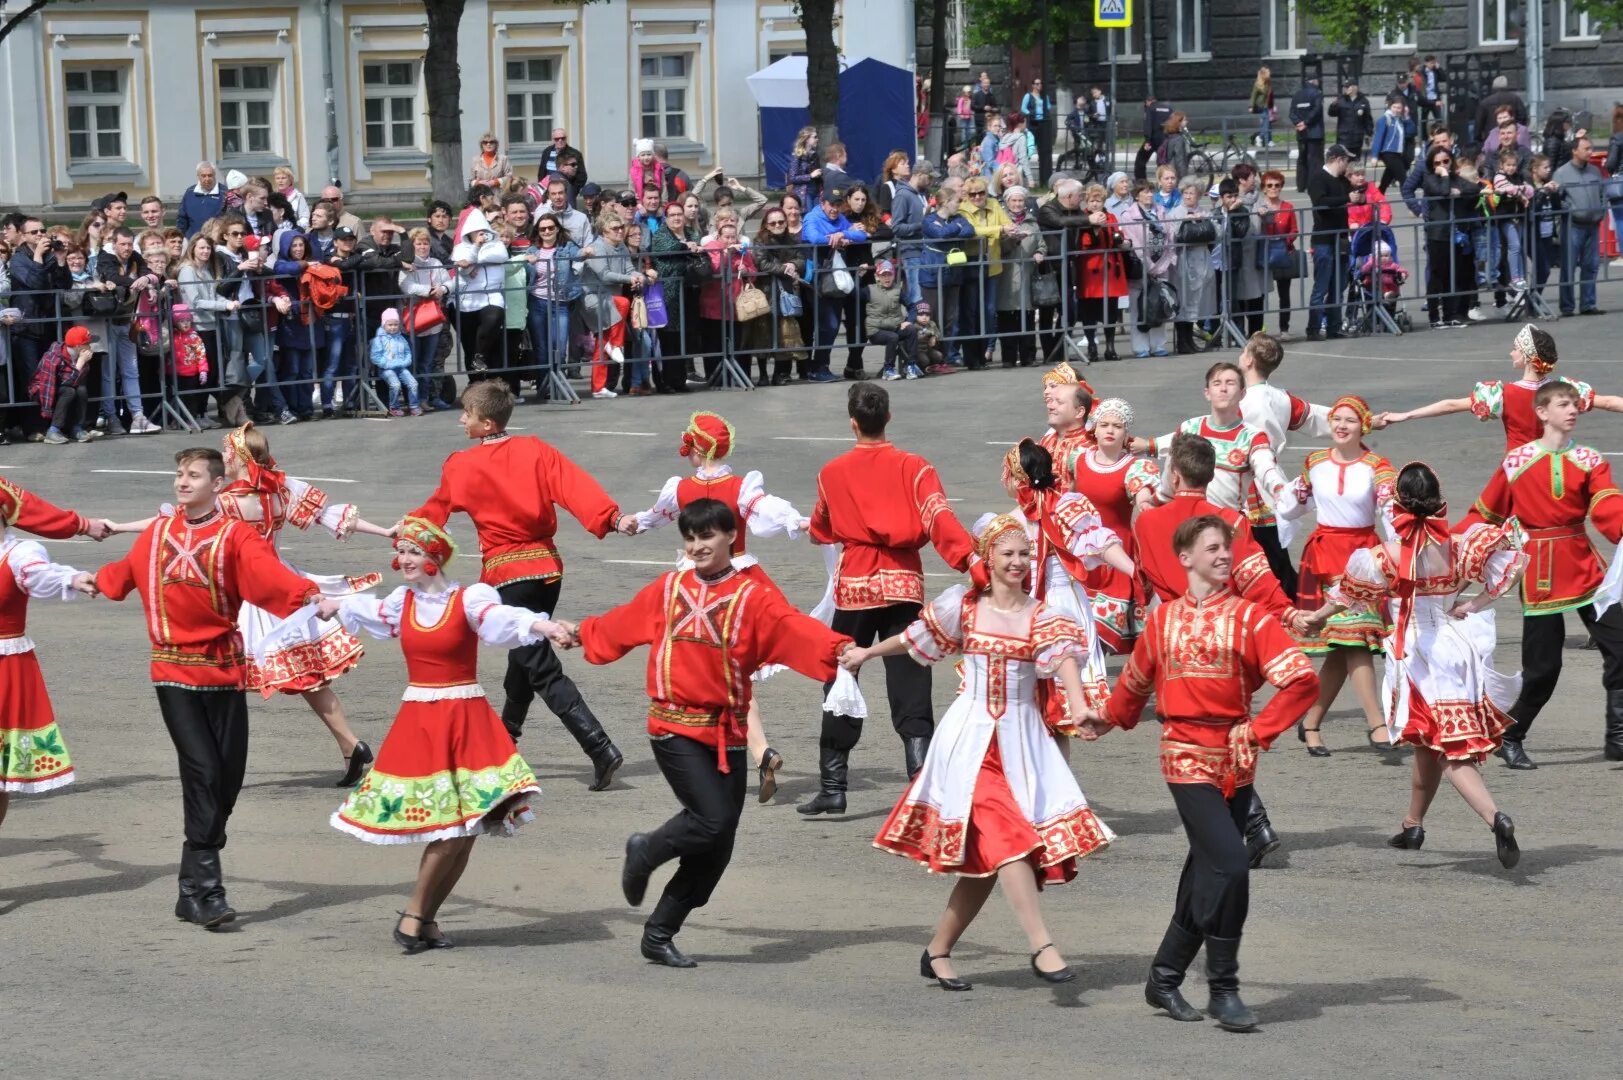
{"x": 561, "y": 632}
{"x": 86, "y": 584}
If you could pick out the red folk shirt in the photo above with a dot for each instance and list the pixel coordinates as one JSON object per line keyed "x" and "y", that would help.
{"x": 1203, "y": 660}
{"x": 883, "y": 504}
{"x": 1250, "y": 577}
{"x": 510, "y": 487}
{"x": 192, "y": 580}
{"x": 1511, "y": 403}
{"x": 1552, "y": 494}
{"x": 30, "y": 513}
{"x": 1066, "y": 448}
{"x": 708, "y": 638}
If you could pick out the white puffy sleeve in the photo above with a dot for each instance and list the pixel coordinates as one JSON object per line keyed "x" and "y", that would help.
{"x": 767, "y": 515}
{"x": 1086, "y": 535}
{"x": 664, "y": 511}
{"x": 938, "y": 631}
{"x": 38, "y": 576}
{"x": 1271, "y": 482}
{"x": 366, "y": 614}
{"x": 1297, "y": 498}
{"x": 308, "y": 506}
{"x": 497, "y": 623}
{"x": 1493, "y": 555}
{"x": 1365, "y": 586}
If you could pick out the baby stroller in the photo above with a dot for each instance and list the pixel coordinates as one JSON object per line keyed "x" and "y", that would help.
{"x": 1375, "y": 283}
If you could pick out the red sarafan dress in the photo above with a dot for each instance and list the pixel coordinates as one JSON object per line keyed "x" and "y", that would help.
{"x": 757, "y": 513}
{"x": 995, "y": 787}
{"x": 1118, "y": 598}
{"x": 447, "y": 768}
{"x": 33, "y": 758}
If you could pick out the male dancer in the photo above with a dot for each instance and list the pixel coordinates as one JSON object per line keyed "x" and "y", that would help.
{"x": 1555, "y": 488}
{"x": 1193, "y": 461}
{"x": 1276, "y": 413}
{"x": 1068, "y": 400}
{"x": 20, "y": 509}
{"x": 1202, "y": 655}
{"x": 709, "y": 627}
{"x": 881, "y": 505}
{"x": 193, "y": 571}
{"x": 510, "y": 486}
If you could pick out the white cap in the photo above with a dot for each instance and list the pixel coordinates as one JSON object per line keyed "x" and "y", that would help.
{"x": 234, "y": 180}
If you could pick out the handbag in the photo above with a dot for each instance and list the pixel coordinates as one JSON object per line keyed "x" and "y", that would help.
{"x": 639, "y": 313}
{"x": 790, "y": 305}
{"x": 653, "y": 298}
{"x": 253, "y": 319}
{"x": 1131, "y": 264}
{"x": 1045, "y": 291}
{"x": 751, "y": 304}
{"x": 1157, "y": 304}
{"x": 837, "y": 283}
{"x": 1614, "y": 189}
{"x": 1197, "y": 231}
{"x": 425, "y": 315}
{"x": 102, "y": 303}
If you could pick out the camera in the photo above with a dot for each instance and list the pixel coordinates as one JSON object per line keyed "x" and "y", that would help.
{"x": 56, "y": 244}
{"x": 721, "y": 179}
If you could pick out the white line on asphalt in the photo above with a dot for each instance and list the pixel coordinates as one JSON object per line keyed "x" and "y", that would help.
{"x": 641, "y": 562}
{"x": 13, "y": 466}
{"x": 379, "y": 419}
{"x": 171, "y": 472}
{"x": 812, "y": 438}
{"x": 47, "y": 540}
{"x": 325, "y": 480}
{"x": 1393, "y": 359}
{"x": 638, "y": 434}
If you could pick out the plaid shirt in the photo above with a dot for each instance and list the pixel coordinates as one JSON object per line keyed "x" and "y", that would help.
{"x": 56, "y": 372}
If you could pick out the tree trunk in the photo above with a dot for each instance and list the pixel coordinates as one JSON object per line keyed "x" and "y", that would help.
{"x": 442, "y": 78}
{"x": 822, "y": 68}
{"x": 16, "y": 20}
{"x": 938, "y": 58}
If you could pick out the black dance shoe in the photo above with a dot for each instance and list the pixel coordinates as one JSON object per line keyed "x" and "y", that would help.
{"x": 771, "y": 762}
{"x": 604, "y": 765}
{"x": 1063, "y": 975}
{"x": 442, "y": 942}
{"x": 658, "y": 947}
{"x": 360, "y": 759}
{"x": 411, "y": 943}
{"x": 635, "y": 873}
{"x": 927, "y": 969}
{"x": 1409, "y": 839}
{"x": 1301, "y": 736}
{"x": 1223, "y": 984}
{"x": 1515, "y": 757}
{"x": 1504, "y": 840}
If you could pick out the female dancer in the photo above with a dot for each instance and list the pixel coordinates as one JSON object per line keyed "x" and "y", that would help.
{"x": 708, "y": 440}
{"x": 447, "y": 772}
{"x": 259, "y": 494}
{"x": 33, "y": 758}
{"x": 995, "y": 801}
{"x": 1068, "y": 541}
{"x": 1350, "y": 488}
{"x": 1443, "y": 696}
{"x": 1118, "y": 484}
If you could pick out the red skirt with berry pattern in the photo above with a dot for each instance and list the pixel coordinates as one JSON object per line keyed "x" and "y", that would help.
{"x": 33, "y": 757}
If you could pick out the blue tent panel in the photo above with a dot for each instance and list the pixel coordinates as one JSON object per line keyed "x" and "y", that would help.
{"x": 876, "y": 116}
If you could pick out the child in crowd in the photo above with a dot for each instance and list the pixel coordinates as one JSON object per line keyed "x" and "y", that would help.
{"x": 1381, "y": 274}
{"x": 189, "y": 360}
{"x": 886, "y": 322}
{"x": 391, "y": 355}
{"x": 58, "y": 387}
{"x": 1549, "y": 204}
{"x": 1515, "y": 195}
{"x": 1476, "y": 227}
{"x": 930, "y": 356}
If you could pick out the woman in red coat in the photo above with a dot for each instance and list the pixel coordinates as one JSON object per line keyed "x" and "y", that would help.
{"x": 1100, "y": 272}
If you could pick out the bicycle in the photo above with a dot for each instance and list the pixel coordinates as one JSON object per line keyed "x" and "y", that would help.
{"x": 1204, "y": 166}
{"x": 1084, "y": 159}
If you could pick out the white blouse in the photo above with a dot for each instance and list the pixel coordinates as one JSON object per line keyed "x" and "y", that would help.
{"x": 1344, "y": 495}
{"x": 35, "y": 574}
{"x": 496, "y": 623}
{"x": 765, "y": 515}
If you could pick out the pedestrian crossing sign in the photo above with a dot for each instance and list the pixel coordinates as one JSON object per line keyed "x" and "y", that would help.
{"x": 1113, "y": 14}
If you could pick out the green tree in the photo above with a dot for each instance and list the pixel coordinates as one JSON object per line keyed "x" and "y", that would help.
{"x": 1354, "y": 24}
{"x": 1024, "y": 23}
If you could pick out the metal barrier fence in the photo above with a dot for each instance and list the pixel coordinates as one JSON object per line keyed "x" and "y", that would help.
{"x": 1050, "y": 295}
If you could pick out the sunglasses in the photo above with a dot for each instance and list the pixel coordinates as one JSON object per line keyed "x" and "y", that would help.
{"x": 236, "y": 232}
{"x": 776, "y": 221}
{"x": 547, "y": 228}
{"x": 487, "y": 142}
{"x": 33, "y": 232}
{"x": 560, "y": 138}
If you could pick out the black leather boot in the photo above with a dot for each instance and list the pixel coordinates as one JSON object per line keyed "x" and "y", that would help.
{"x": 1614, "y": 726}
{"x": 658, "y": 946}
{"x": 1515, "y": 757}
{"x": 635, "y": 873}
{"x": 1172, "y": 959}
{"x": 1260, "y": 838}
{"x": 915, "y": 747}
{"x": 1223, "y": 981}
{"x": 606, "y": 757}
{"x": 213, "y": 910}
{"x": 186, "y": 905}
{"x": 832, "y": 768}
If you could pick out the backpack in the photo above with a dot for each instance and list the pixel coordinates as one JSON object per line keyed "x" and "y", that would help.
{"x": 320, "y": 290}
{"x": 1162, "y": 152}
{"x": 1005, "y": 155}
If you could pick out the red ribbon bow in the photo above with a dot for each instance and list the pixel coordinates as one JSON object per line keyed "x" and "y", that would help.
{"x": 1414, "y": 533}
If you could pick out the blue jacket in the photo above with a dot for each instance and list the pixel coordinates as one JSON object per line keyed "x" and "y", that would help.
{"x": 940, "y": 237}
{"x": 907, "y": 213}
{"x": 291, "y": 331}
{"x": 196, "y": 208}
{"x": 1411, "y": 187}
{"x": 391, "y": 352}
{"x": 1389, "y": 136}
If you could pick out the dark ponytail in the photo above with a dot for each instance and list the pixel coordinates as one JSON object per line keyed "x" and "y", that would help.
{"x": 1418, "y": 490}
{"x": 1038, "y": 464}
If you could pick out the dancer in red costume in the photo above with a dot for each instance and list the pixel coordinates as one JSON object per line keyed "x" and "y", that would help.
{"x": 708, "y": 442}
{"x": 708, "y": 628}
{"x": 1203, "y": 656}
{"x": 448, "y": 772}
{"x": 194, "y": 570}
{"x": 1119, "y": 484}
{"x": 20, "y": 509}
{"x": 1067, "y": 403}
{"x": 996, "y": 801}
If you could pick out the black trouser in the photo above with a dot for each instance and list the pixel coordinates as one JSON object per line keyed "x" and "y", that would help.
{"x": 1141, "y": 161}
{"x": 480, "y": 331}
{"x": 1279, "y": 558}
{"x": 1246, "y": 314}
{"x": 1283, "y": 285}
{"x": 1044, "y": 131}
{"x": 907, "y": 683}
{"x": 1542, "y": 639}
{"x": 1214, "y": 891}
{"x": 1450, "y": 280}
{"x": 210, "y": 731}
{"x": 69, "y": 411}
{"x": 1309, "y": 160}
{"x": 677, "y": 338}
{"x": 701, "y": 836}
{"x": 1018, "y": 346}
{"x": 1396, "y": 169}
{"x": 535, "y": 669}
{"x": 903, "y": 343}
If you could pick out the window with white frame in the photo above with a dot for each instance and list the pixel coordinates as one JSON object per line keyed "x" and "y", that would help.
{"x": 665, "y": 83}
{"x": 247, "y": 104}
{"x": 957, "y": 21}
{"x": 532, "y": 95}
{"x": 1191, "y": 27}
{"x": 389, "y": 94}
{"x": 1286, "y": 27}
{"x": 1500, "y": 22}
{"x": 96, "y": 100}
{"x": 1400, "y": 39}
{"x": 1578, "y": 25}
{"x": 1126, "y": 42}
{"x": 783, "y": 52}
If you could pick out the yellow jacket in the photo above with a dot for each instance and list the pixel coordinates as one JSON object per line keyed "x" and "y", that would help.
{"x": 989, "y": 224}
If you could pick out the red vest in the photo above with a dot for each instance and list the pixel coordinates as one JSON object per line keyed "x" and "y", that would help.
{"x": 721, "y": 488}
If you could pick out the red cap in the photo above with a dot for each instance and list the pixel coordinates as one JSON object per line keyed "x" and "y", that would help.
{"x": 77, "y": 338}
